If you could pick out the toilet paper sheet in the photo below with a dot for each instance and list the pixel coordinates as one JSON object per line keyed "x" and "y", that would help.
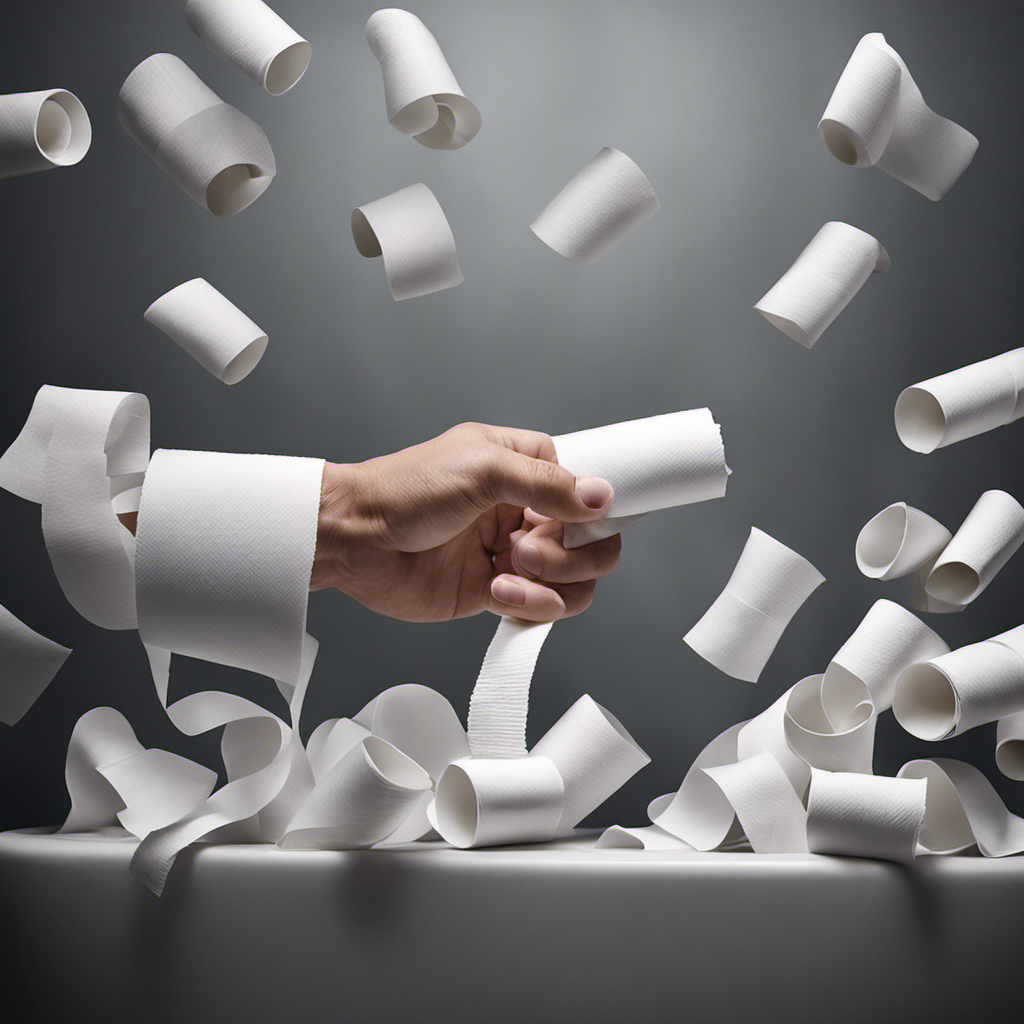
{"x": 28, "y": 663}
{"x": 40, "y": 130}
{"x": 899, "y": 540}
{"x": 1010, "y": 746}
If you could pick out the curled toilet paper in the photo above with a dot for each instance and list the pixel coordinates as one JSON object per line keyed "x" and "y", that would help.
{"x": 218, "y": 156}
{"x": 847, "y": 746}
{"x": 409, "y": 229}
{"x": 877, "y": 116}
{"x": 825, "y": 277}
{"x": 420, "y": 92}
{"x": 253, "y": 39}
{"x": 28, "y": 663}
{"x": 597, "y": 208}
{"x": 1010, "y": 746}
{"x": 962, "y": 403}
{"x": 212, "y": 330}
{"x": 40, "y": 130}
{"x": 899, "y": 540}
{"x": 647, "y": 837}
{"x": 738, "y": 633}
{"x": 652, "y": 463}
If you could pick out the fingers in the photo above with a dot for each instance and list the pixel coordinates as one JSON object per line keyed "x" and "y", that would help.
{"x": 535, "y": 602}
{"x": 539, "y": 555}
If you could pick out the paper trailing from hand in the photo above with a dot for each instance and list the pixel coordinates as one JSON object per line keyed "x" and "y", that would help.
{"x": 40, "y": 130}
{"x": 28, "y": 663}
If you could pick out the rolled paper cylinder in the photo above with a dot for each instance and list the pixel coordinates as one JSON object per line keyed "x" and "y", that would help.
{"x": 28, "y": 663}
{"x": 846, "y": 747}
{"x": 652, "y": 463}
{"x": 877, "y": 116}
{"x": 409, "y": 229}
{"x": 963, "y": 810}
{"x": 211, "y": 329}
{"x": 218, "y": 156}
{"x": 593, "y": 753}
{"x": 250, "y": 37}
{"x": 597, "y": 209}
{"x": 921, "y": 600}
{"x": 40, "y": 130}
{"x": 985, "y": 542}
{"x": 899, "y": 540}
{"x": 1010, "y": 746}
{"x": 422, "y": 97}
{"x": 825, "y": 277}
{"x": 738, "y": 633}
{"x": 485, "y": 801}
{"x": 962, "y": 403}
{"x": 865, "y": 815}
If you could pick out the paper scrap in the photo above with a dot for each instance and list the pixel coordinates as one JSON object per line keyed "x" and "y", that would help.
{"x": 40, "y": 130}
{"x": 28, "y": 662}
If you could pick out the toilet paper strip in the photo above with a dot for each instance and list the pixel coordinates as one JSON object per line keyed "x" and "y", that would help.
{"x": 865, "y": 815}
{"x": 28, "y": 662}
{"x": 409, "y": 229}
{"x": 253, "y": 39}
{"x": 211, "y": 329}
{"x": 420, "y": 92}
{"x": 825, "y": 277}
{"x": 738, "y": 633}
{"x": 652, "y": 463}
{"x": 597, "y": 208}
{"x": 877, "y": 116}
{"x": 40, "y": 130}
{"x": 648, "y": 837}
{"x": 1010, "y": 746}
{"x": 218, "y": 156}
{"x": 899, "y": 540}
{"x": 844, "y": 747}
{"x": 962, "y": 403}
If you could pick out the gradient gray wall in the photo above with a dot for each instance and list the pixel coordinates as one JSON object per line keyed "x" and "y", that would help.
{"x": 718, "y": 103}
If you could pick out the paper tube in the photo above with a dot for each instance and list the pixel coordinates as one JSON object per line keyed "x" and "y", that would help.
{"x": 899, "y": 540}
{"x": 1010, "y": 746}
{"x": 846, "y": 747}
{"x": 40, "y": 130}
{"x": 28, "y": 662}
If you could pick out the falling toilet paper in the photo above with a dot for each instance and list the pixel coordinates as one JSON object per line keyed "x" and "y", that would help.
{"x": 40, "y": 130}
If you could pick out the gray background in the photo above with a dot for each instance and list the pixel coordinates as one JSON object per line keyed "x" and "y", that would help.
{"x": 718, "y": 103}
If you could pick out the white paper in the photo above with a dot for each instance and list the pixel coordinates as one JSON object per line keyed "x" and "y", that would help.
{"x": 899, "y": 540}
{"x": 1010, "y": 746}
{"x": 847, "y": 746}
{"x": 825, "y": 277}
{"x": 648, "y": 837}
{"x": 422, "y": 97}
{"x": 409, "y": 229}
{"x": 211, "y": 329}
{"x": 597, "y": 208}
{"x": 738, "y": 633}
{"x": 28, "y": 662}
{"x": 877, "y": 116}
{"x": 40, "y": 130}
{"x": 250, "y": 37}
{"x": 220, "y": 157}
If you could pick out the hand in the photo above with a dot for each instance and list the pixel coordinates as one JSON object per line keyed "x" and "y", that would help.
{"x": 471, "y": 520}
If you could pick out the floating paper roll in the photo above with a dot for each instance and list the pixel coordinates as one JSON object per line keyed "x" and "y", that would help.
{"x": 28, "y": 662}
{"x": 899, "y": 540}
{"x": 1010, "y": 746}
{"x": 422, "y": 97}
{"x": 877, "y": 115}
{"x": 250, "y": 37}
{"x": 847, "y": 746}
{"x": 738, "y": 633}
{"x": 220, "y": 157}
{"x": 653, "y": 463}
{"x": 825, "y": 277}
{"x": 212, "y": 330}
{"x": 864, "y": 815}
{"x": 409, "y": 229}
{"x": 962, "y": 403}
{"x": 40, "y": 130}
{"x": 597, "y": 209}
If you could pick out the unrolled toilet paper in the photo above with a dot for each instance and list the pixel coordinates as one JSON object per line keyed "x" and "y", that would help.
{"x": 40, "y": 130}
{"x": 28, "y": 663}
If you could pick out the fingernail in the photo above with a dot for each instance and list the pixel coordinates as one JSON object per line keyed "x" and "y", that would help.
{"x": 516, "y": 537}
{"x": 594, "y": 492}
{"x": 507, "y": 591}
{"x": 529, "y": 559}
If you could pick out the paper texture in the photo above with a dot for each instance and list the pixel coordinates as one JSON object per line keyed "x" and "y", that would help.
{"x": 899, "y": 540}
{"x": 597, "y": 209}
{"x": 40, "y": 130}
{"x": 250, "y": 37}
{"x": 877, "y": 116}
{"x": 409, "y": 229}
{"x": 212, "y": 330}
{"x": 220, "y": 157}
{"x": 420, "y": 92}
{"x": 1010, "y": 746}
{"x": 28, "y": 662}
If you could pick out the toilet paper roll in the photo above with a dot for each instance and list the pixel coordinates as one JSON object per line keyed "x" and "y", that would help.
{"x": 250, "y": 37}
{"x": 422, "y": 97}
{"x": 40, "y": 130}
{"x": 28, "y": 663}
{"x": 597, "y": 209}
{"x": 409, "y": 229}
{"x": 877, "y": 116}
{"x": 212, "y": 330}
{"x": 845, "y": 747}
{"x": 593, "y": 753}
{"x": 220, "y": 157}
{"x": 825, "y": 277}
{"x": 1010, "y": 746}
{"x": 483, "y": 801}
{"x": 962, "y": 403}
{"x": 738, "y": 633}
{"x": 865, "y": 815}
{"x": 899, "y": 540}
{"x": 963, "y": 810}
{"x": 652, "y": 463}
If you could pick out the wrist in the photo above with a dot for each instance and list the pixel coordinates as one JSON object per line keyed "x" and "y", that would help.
{"x": 342, "y": 526}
